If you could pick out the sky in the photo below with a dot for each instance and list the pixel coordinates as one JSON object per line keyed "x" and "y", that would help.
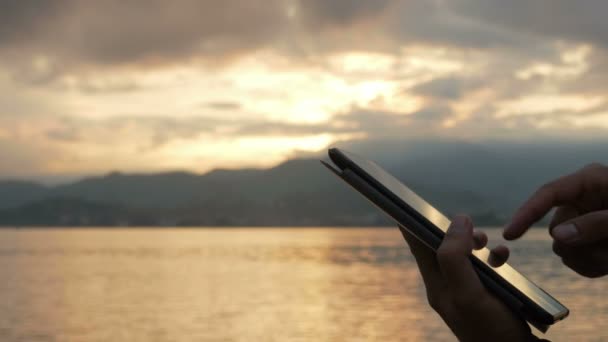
{"x": 88, "y": 87}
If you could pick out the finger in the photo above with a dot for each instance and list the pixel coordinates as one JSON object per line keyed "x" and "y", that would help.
{"x": 587, "y": 260}
{"x": 558, "y": 192}
{"x": 499, "y": 255}
{"x": 480, "y": 239}
{"x": 583, "y": 230}
{"x": 454, "y": 261}
{"x": 563, "y": 250}
{"x": 427, "y": 263}
{"x": 563, "y": 214}
{"x": 584, "y": 267}
{"x": 592, "y": 253}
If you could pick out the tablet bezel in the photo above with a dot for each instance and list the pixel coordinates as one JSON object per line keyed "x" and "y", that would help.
{"x": 537, "y": 312}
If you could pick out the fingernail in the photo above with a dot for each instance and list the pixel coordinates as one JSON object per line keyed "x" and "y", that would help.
{"x": 494, "y": 260}
{"x": 565, "y": 232}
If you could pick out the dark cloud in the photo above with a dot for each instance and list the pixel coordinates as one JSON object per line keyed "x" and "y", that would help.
{"x": 159, "y": 29}
{"x": 321, "y": 13}
{"x": 580, "y": 21}
{"x": 72, "y": 34}
{"x": 21, "y": 19}
{"x": 118, "y": 32}
{"x": 428, "y": 22}
{"x": 375, "y": 123}
{"x": 434, "y": 114}
{"x": 450, "y": 87}
{"x": 550, "y": 21}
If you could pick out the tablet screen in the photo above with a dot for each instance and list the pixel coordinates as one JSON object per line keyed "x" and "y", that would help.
{"x": 407, "y": 198}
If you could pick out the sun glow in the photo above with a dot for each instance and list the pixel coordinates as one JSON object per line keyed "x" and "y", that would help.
{"x": 241, "y": 152}
{"x": 260, "y": 108}
{"x": 598, "y": 120}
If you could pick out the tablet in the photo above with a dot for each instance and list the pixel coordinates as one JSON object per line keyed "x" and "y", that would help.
{"x": 427, "y": 224}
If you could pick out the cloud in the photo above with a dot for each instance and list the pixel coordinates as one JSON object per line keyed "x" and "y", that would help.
{"x": 22, "y": 158}
{"x": 434, "y": 114}
{"x": 156, "y": 131}
{"x": 89, "y": 86}
{"x": 74, "y": 144}
{"x": 432, "y": 23}
{"x": 19, "y": 19}
{"x": 223, "y": 105}
{"x": 320, "y": 13}
{"x": 553, "y": 19}
{"x": 23, "y": 101}
{"x": 554, "y": 22}
{"x": 42, "y": 41}
{"x": 71, "y": 34}
{"x": 114, "y": 79}
{"x": 449, "y": 88}
{"x": 65, "y": 134}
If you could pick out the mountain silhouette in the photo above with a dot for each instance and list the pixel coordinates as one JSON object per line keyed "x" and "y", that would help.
{"x": 486, "y": 180}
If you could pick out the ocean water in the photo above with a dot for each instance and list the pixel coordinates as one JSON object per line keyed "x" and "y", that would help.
{"x": 259, "y": 284}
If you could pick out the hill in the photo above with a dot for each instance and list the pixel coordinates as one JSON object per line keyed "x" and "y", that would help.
{"x": 486, "y": 180}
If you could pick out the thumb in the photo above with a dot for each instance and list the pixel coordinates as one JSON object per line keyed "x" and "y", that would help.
{"x": 582, "y": 230}
{"x": 453, "y": 257}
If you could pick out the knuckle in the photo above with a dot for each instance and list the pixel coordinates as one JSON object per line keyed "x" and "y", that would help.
{"x": 544, "y": 187}
{"x": 595, "y": 167}
{"x": 543, "y": 193}
{"x": 446, "y": 253}
{"x": 596, "y": 176}
{"x": 536, "y": 210}
{"x": 544, "y": 190}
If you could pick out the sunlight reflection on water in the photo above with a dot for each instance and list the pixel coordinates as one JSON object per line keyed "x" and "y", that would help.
{"x": 245, "y": 285}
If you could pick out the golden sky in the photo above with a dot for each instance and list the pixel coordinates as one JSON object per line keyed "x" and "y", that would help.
{"x": 88, "y": 87}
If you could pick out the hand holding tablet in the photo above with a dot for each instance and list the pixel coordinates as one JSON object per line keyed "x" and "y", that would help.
{"x": 426, "y": 227}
